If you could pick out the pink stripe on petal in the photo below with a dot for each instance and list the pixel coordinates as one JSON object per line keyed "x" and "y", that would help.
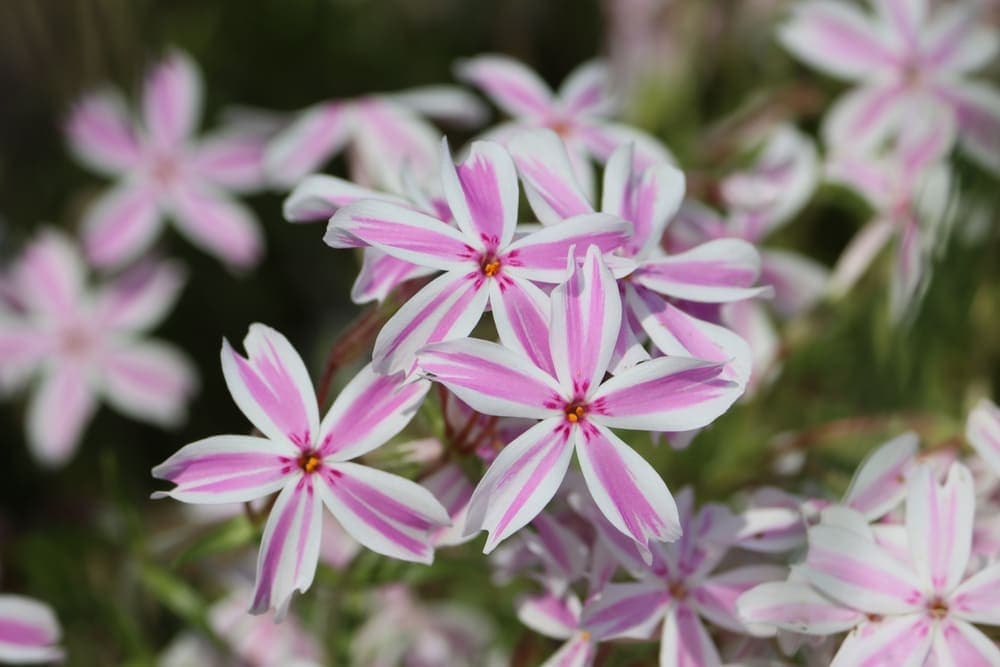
{"x": 521, "y": 314}
{"x": 29, "y": 631}
{"x": 101, "y": 133}
{"x": 121, "y": 224}
{"x": 482, "y": 194}
{"x": 864, "y": 116}
{"x": 982, "y": 430}
{"x": 715, "y": 599}
{"x": 370, "y": 410}
{"x": 231, "y": 159}
{"x": 880, "y": 483}
{"x": 628, "y": 491}
{"x": 512, "y": 86}
{"x": 904, "y": 640}
{"x": 171, "y": 101}
{"x": 141, "y": 297}
{"x": 310, "y": 140}
{"x": 626, "y": 610}
{"x": 975, "y": 600}
{"x": 713, "y": 272}
{"x": 150, "y": 381}
{"x": 962, "y": 645}
{"x": 795, "y": 607}
{"x": 272, "y": 386}
{"x": 219, "y": 225}
{"x": 549, "y": 182}
{"x": 550, "y": 615}
{"x": 685, "y": 642}
{"x": 541, "y": 256}
{"x": 381, "y": 274}
{"x": 49, "y": 277}
{"x": 319, "y": 196}
{"x": 587, "y": 90}
{"x": 58, "y": 412}
{"x": 939, "y": 519}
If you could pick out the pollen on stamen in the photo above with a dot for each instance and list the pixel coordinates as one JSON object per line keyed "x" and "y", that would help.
{"x": 574, "y": 413}
{"x": 309, "y": 462}
{"x": 490, "y": 267}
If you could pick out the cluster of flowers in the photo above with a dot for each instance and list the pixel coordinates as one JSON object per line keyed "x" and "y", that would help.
{"x": 637, "y": 310}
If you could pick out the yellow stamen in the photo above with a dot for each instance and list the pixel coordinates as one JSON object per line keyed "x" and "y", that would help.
{"x": 491, "y": 267}
{"x": 309, "y": 462}
{"x": 574, "y": 413}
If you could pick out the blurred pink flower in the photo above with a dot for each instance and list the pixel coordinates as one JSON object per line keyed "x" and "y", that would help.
{"x": 559, "y": 380}
{"x": 164, "y": 171}
{"x": 902, "y": 57}
{"x": 308, "y": 461}
{"x": 29, "y": 632}
{"x": 580, "y": 113}
{"x": 87, "y": 344}
{"x": 982, "y": 430}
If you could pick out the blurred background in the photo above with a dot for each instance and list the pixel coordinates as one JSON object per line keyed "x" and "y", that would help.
{"x": 86, "y": 538}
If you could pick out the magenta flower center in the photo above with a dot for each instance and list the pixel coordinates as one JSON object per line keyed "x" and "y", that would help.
{"x": 490, "y": 265}
{"x": 76, "y": 341}
{"x": 561, "y": 126}
{"x": 165, "y": 170}
{"x": 309, "y": 462}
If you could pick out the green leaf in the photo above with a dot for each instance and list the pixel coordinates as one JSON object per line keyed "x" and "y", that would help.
{"x": 233, "y": 534}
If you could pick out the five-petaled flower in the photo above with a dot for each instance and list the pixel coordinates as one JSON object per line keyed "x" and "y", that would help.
{"x": 485, "y": 264}
{"x": 559, "y": 380}
{"x": 309, "y": 462}
{"x": 903, "y": 58}
{"x": 87, "y": 344}
{"x": 164, "y": 172}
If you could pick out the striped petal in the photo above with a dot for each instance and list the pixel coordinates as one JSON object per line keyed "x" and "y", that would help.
{"x": 319, "y": 196}
{"x": 630, "y": 610}
{"x": 49, "y": 277}
{"x": 218, "y": 224}
{"x": 520, "y": 482}
{"x": 402, "y": 232}
{"x": 521, "y": 315}
{"x": 578, "y": 651}
{"x": 586, "y": 317}
{"x": 975, "y": 600}
{"x": 101, "y": 134}
{"x": 548, "y": 175}
{"x": 482, "y": 193}
{"x": 795, "y": 607}
{"x": 381, "y": 273}
{"x": 171, "y": 101}
{"x": 370, "y": 410}
{"x": 29, "y": 631}
{"x": 713, "y": 272}
{"x": 715, "y": 599}
{"x": 308, "y": 142}
{"x": 587, "y": 90}
{"x": 509, "y": 84}
{"x": 541, "y": 255}
{"x": 977, "y": 108}
{"x": 959, "y": 644}
{"x": 140, "y": 298}
{"x": 148, "y": 380}
{"x": 121, "y": 224}
{"x": 289, "y": 549}
{"x": 492, "y": 379}
{"x": 550, "y": 615}
{"x": 448, "y": 307}
{"x": 864, "y": 116}
{"x": 982, "y": 430}
{"x": 798, "y": 281}
{"x": 957, "y": 42}
{"x": 852, "y": 570}
{"x": 272, "y": 386}
{"x": 905, "y": 641}
{"x": 58, "y": 413}
{"x": 939, "y": 525}
{"x": 880, "y": 484}
{"x": 664, "y": 394}
{"x": 685, "y": 641}
{"x": 227, "y": 469}
{"x": 626, "y": 488}
{"x": 231, "y": 158}
{"x": 390, "y": 140}
{"x": 602, "y": 139}
{"x": 386, "y": 513}
{"x": 450, "y": 104}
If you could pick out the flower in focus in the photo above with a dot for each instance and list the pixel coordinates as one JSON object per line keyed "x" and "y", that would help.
{"x": 579, "y": 113}
{"x": 485, "y": 263}
{"x": 385, "y": 132}
{"x": 87, "y": 344}
{"x": 903, "y": 57}
{"x": 559, "y": 380}
{"x": 309, "y": 462}
{"x": 29, "y": 631}
{"x": 910, "y": 601}
{"x": 163, "y": 171}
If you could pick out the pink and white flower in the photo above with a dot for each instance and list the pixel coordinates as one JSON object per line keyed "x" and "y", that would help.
{"x": 902, "y": 57}
{"x": 484, "y": 263}
{"x": 29, "y": 631}
{"x": 164, "y": 172}
{"x": 84, "y": 345}
{"x": 580, "y": 113}
{"x": 720, "y": 271}
{"x": 386, "y": 135}
{"x": 309, "y": 462}
{"x": 982, "y": 430}
{"x": 679, "y": 590}
{"x": 917, "y": 605}
{"x": 559, "y": 380}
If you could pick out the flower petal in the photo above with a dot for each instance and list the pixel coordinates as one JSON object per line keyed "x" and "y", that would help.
{"x": 402, "y": 232}
{"x": 977, "y": 107}
{"x": 903, "y": 640}
{"x": 227, "y": 469}
{"x": 631, "y": 610}
{"x": 453, "y": 490}
{"x": 121, "y": 224}
{"x": 587, "y": 90}
{"x": 49, "y": 276}
{"x": 370, "y": 410}
{"x": 796, "y": 607}
{"x": 550, "y": 615}
{"x": 865, "y": 116}
{"x": 838, "y": 39}
{"x": 859, "y": 254}
{"x": 390, "y": 139}
{"x": 150, "y": 381}
{"x": 975, "y": 600}
{"x": 520, "y": 482}
{"x": 29, "y": 631}
{"x": 448, "y": 307}
{"x": 628, "y": 491}
{"x": 854, "y": 571}
{"x": 548, "y": 175}
{"x": 982, "y": 430}
{"x": 492, "y": 378}
{"x": 603, "y": 139}
{"x": 101, "y": 134}
{"x": 319, "y": 196}
{"x": 958, "y": 644}
{"x": 289, "y": 549}
{"x": 482, "y": 193}
{"x": 715, "y": 599}
{"x": 509, "y": 84}
{"x": 521, "y": 315}
{"x": 714, "y": 272}
{"x": 578, "y": 651}
{"x": 22, "y": 351}
{"x": 232, "y": 159}
{"x": 386, "y": 513}
{"x": 140, "y": 298}
{"x": 541, "y": 255}
{"x": 272, "y": 387}
{"x": 58, "y": 412}
{"x": 171, "y": 101}
{"x": 451, "y": 104}
{"x": 879, "y": 484}
{"x": 586, "y": 317}
{"x": 939, "y": 525}
{"x": 382, "y": 273}
{"x": 310, "y": 140}
{"x": 219, "y": 225}
{"x": 798, "y": 281}
{"x": 664, "y": 394}
{"x": 958, "y": 42}
{"x": 685, "y": 641}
